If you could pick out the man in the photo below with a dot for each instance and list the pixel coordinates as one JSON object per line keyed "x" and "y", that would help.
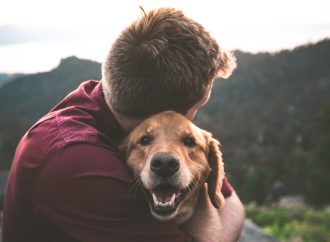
{"x": 68, "y": 180}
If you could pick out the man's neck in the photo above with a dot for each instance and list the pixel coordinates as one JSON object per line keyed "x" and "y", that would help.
{"x": 127, "y": 123}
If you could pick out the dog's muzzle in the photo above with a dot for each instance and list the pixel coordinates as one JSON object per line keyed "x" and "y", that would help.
{"x": 165, "y": 196}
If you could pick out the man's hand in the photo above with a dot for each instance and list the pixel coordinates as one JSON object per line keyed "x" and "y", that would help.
{"x": 232, "y": 216}
{"x": 205, "y": 224}
{"x": 219, "y": 225}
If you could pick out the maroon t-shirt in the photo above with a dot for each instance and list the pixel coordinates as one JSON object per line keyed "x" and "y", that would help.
{"x": 68, "y": 181}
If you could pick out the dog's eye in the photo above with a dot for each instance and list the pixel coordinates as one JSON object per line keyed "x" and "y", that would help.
{"x": 189, "y": 142}
{"x": 145, "y": 140}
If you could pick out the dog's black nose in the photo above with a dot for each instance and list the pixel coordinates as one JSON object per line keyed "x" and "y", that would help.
{"x": 164, "y": 164}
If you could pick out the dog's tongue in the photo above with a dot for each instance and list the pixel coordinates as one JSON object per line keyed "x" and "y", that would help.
{"x": 164, "y": 194}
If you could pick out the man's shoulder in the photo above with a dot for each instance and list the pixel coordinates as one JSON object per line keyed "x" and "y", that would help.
{"x": 53, "y": 132}
{"x": 81, "y": 117}
{"x": 59, "y": 131}
{"x": 79, "y": 160}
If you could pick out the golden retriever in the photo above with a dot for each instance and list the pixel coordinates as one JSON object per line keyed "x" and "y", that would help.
{"x": 173, "y": 159}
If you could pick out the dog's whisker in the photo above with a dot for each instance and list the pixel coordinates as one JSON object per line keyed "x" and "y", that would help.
{"x": 135, "y": 186}
{"x": 134, "y": 189}
{"x": 138, "y": 185}
{"x": 192, "y": 186}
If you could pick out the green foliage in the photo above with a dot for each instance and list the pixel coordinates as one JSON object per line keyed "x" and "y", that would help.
{"x": 326, "y": 115}
{"x": 257, "y": 184}
{"x": 307, "y": 171}
{"x": 294, "y": 168}
{"x": 289, "y": 223}
{"x": 319, "y": 179}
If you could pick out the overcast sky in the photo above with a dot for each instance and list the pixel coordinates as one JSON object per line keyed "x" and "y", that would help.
{"x": 249, "y": 25}
{"x": 108, "y": 13}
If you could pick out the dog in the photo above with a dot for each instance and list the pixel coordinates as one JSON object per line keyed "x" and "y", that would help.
{"x": 173, "y": 159}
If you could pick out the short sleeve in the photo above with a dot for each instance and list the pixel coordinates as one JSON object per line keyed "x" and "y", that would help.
{"x": 227, "y": 188}
{"x": 87, "y": 192}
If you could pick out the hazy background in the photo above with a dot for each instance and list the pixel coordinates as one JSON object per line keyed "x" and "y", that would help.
{"x": 35, "y": 34}
{"x": 272, "y": 115}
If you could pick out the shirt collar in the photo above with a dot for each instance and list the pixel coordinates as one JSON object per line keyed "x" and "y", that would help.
{"x": 106, "y": 118}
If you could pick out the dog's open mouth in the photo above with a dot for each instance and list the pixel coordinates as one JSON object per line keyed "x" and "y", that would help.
{"x": 165, "y": 198}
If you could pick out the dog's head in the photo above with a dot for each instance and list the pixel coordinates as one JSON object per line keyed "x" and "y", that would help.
{"x": 173, "y": 158}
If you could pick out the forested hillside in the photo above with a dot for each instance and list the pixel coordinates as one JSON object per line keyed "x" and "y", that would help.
{"x": 272, "y": 117}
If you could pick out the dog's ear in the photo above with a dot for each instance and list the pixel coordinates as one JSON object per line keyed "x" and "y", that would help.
{"x": 216, "y": 176}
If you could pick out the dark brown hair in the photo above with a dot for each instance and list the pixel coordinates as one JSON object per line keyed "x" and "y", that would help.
{"x": 162, "y": 61}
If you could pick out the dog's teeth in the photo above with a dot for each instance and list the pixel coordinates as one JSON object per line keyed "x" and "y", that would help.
{"x": 154, "y": 198}
{"x": 158, "y": 203}
{"x": 172, "y": 199}
{"x": 164, "y": 204}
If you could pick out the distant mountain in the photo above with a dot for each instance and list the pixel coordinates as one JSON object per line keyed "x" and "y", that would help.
{"x": 272, "y": 117}
{"x": 4, "y": 77}
{"x": 25, "y": 99}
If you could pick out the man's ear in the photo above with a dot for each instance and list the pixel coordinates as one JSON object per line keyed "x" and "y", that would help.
{"x": 214, "y": 181}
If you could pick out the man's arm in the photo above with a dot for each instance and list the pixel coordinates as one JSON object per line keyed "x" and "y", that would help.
{"x": 211, "y": 224}
{"x": 85, "y": 192}
{"x": 232, "y": 216}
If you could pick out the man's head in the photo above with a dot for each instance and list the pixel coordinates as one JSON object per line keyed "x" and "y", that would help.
{"x": 162, "y": 61}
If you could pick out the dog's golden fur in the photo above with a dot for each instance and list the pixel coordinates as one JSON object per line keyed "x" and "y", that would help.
{"x": 195, "y": 149}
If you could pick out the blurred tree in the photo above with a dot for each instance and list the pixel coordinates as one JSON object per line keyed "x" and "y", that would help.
{"x": 318, "y": 183}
